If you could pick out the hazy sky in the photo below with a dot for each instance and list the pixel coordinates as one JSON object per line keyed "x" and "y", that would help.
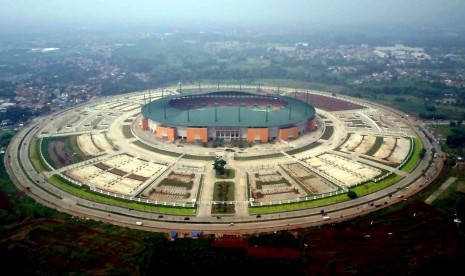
{"x": 25, "y": 13}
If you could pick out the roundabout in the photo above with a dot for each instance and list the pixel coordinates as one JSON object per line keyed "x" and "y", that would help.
{"x": 105, "y": 161}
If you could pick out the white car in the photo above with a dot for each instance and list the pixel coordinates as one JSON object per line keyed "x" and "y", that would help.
{"x": 139, "y": 223}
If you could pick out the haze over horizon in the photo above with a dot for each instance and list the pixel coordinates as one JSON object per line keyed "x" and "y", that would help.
{"x": 20, "y": 15}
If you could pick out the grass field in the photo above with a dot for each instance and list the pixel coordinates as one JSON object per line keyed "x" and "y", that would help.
{"x": 36, "y": 160}
{"x": 223, "y": 191}
{"x": 414, "y": 159}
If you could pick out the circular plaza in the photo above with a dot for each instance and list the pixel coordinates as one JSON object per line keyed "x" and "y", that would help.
{"x": 292, "y": 157}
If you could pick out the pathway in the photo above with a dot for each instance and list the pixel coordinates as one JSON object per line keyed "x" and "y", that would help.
{"x": 441, "y": 189}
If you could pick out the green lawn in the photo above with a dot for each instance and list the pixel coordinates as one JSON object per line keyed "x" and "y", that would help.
{"x": 228, "y": 174}
{"x": 414, "y": 159}
{"x": 223, "y": 191}
{"x": 37, "y": 162}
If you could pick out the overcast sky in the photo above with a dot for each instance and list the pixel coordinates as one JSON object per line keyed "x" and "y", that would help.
{"x": 25, "y": 13}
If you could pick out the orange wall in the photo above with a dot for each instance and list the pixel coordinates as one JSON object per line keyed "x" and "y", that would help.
{"x": 284, "y": 133}
{"x": 260, "y": 132}
{"x": 311, "y": 124}
{"x": 192, "y": 132}
{"x": 168, "y": 133}
{"x": 144, "y": 124}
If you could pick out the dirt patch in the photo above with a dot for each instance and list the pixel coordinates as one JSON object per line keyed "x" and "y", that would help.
{"x": 118, "y": 172}
{"x": 102, "y": 166}
{"x": 185, "y": 178}
{"x": 60, "y": 154}
{"x": 137, "y": 177}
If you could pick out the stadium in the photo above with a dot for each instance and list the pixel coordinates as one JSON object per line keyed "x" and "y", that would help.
{"x": 228, "y": 115}
{"x": 335, "y": 143}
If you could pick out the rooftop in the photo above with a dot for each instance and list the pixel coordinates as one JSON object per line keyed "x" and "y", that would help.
{"x": 228, "y": 109}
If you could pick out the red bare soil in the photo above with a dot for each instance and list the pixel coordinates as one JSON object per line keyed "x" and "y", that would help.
{"x": 229, "y": 241}
{"x": 259, "y": 249}
{"x": 5, "y": 202}
{"x": 403, "y": 242}
{"x": 288, "y": 253}
{"x": 49, "y": 246}
{"x": 395, "y": 244}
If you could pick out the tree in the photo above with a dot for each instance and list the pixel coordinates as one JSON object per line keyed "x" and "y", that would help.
{"x": 351, "y": 194}
{"x": 219, "y": 165}
{"x": 450, "y": 161}
{"x": 422, "y": 153}
{"x": 16, "y": 114}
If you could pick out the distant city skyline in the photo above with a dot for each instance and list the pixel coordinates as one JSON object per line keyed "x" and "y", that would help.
{"x": 317, "y": 14}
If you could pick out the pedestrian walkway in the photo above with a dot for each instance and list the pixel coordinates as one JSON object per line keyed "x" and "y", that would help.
{"x": 206, "y": 194}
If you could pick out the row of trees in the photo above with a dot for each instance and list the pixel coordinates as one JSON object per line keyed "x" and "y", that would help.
{"x": 456, "y": 138}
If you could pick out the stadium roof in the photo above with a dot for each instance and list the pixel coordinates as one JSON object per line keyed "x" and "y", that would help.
{"x": 228, "y": 109}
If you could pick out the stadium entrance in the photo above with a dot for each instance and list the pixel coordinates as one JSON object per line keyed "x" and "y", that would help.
{"x": 228, "y": 134}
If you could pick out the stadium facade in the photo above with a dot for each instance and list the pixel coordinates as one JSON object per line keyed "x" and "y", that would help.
{"x": 228, "y": 115}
